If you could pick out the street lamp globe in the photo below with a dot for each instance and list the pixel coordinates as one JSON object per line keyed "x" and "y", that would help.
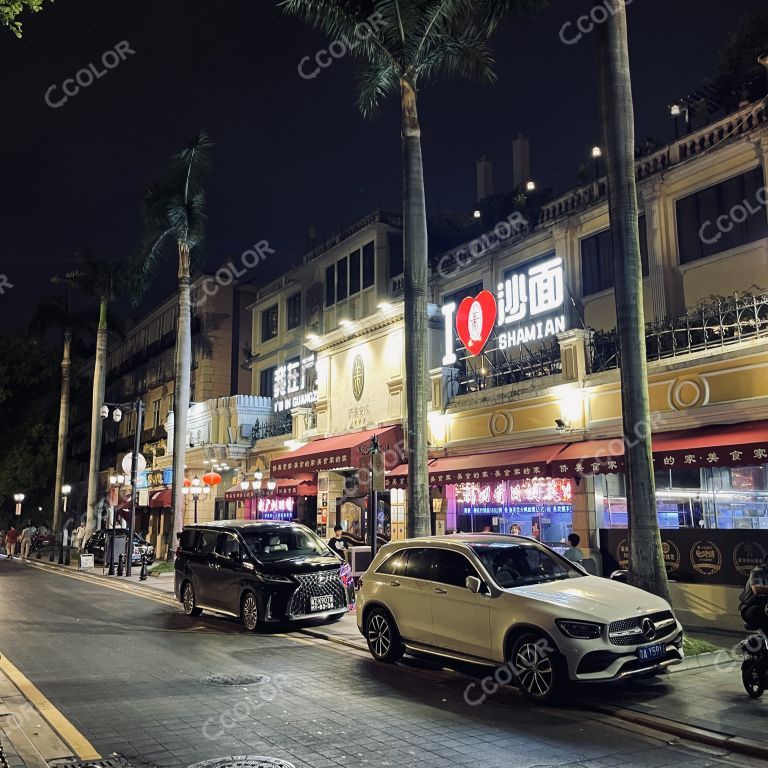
{"x": 18, "y": 497}
{"x": 597, "y": 152}
{"x": 256, "y": 485}
{"x": 104, "y": 412}
{"x": 120, "y": 479}
{"x": 271, "y": 484}
{"x": 66, "y": 490}
{"x": 185, "y": 490}
{"x": 117, "y": 414}
{"x": 244, "y": 484}
{"x": 258, "y": 474}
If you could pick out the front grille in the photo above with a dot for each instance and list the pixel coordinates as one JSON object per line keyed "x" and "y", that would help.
{"x": 316, "y": 585}
{"x": 663, "y": 620}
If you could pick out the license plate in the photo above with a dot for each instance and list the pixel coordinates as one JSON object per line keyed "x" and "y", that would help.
{"x": 321, "y": 603}
{"x": 651, "y": 652}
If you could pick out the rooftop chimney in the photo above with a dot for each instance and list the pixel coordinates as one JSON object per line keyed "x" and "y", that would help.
{"x": 521, "y": 162}
{"x": 484, "y": 178}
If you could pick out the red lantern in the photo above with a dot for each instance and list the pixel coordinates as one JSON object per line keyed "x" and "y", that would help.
{"x": 211, "y": 478}
{"x": 187, "y": 482}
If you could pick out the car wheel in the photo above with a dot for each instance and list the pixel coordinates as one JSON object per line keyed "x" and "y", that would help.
{"x": 188, "y": 601}
{"x": 538, "y": 668}
{"x": 249, "y": 612}
{"x": 383, "y": 639}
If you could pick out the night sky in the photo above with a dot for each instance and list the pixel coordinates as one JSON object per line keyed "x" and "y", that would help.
{"x": 290, "y": 152}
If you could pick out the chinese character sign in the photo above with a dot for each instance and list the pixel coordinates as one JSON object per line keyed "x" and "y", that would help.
{"x": 294, "y": 384}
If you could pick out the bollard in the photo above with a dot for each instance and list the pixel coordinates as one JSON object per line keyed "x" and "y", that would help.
{"x": 52, "y": 553}
{"x": 143, "y": 574}
{"x": 121, "y": 564}
{"x": 66, "y": 556}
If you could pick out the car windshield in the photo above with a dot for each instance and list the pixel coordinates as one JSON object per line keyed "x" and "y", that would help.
{"x": 520, "y": 564}
{"x": 284, "y": 542}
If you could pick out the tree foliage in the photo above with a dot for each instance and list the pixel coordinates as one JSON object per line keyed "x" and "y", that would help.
{"x": 11, "y": 9}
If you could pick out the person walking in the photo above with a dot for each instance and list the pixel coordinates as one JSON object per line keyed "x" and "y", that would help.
{"x": 753, "y": 604}
{"x": 574, "y": 553}
{"x": 26, "y": 540}
{"x": 10, "y": 542}
{"x": 79, "y": 536}
{"x": 336, "y": 543}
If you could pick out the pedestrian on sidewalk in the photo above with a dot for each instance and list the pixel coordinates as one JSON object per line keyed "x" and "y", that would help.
{"x": 10, "y": 542}
{"x": 26, "y": 540}
{"x": 79, "y": 536}
{"x": 754, "y": 599}
{"x": 574, "y": 553}
{"x": 336, "y": 543}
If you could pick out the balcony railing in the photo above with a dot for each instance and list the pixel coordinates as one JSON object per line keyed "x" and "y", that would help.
{"x": 498, "y": 370}
{"x": 274, "y": 426}
{"x": 719, "y": 323}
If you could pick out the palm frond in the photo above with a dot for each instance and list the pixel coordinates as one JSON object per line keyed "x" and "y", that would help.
{"x": 466, "y": 56}
{"x": 375, "y": 83}
{"x": 497, "y": 12}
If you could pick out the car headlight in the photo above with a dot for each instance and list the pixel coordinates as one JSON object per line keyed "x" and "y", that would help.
{"x": 277, "y": 578}
{"x": 581, "y": 630}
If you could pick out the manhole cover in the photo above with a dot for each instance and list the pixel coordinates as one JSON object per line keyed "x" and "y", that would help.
{"x": 244, "y": 761}
{"x": 235, "y": 680}
{"x": 118, "y": 761}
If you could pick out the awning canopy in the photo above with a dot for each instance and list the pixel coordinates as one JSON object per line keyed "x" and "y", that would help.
{"x": 160, "y": 499}
{"x": 483, "y": 467}
{"x": 340, "y": 453}
{"x": 725, "y": 445}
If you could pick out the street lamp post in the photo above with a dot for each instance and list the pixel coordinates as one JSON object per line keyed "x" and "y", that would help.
{"x": 65, "y": 491}
{"x": 115, "y": 481}
{"x": 197, "y": 491}
{"x": 117, "y": 414}
{"x": 18, "y": 498}
{"x": 597, "y": 153}
{"x": 374, "y": 449}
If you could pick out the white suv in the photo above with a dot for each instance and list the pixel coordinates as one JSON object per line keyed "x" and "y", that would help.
{"x": 510, "y": 600}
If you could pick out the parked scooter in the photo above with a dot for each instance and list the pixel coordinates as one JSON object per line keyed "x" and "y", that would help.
{"x": 754, "y": 668}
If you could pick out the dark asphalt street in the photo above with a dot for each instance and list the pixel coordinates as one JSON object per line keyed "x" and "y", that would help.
{"x": 128, "y": 672}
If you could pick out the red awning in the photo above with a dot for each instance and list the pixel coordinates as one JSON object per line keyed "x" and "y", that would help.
{"x": 340, "y": 453}
{"x": 124, "y": 504}
{"x": 724, "y": 445}
{"x": 483, "y": 467}
{"x": 160, "y": 499}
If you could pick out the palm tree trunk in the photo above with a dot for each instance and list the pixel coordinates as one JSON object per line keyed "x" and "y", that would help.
{"x": 181, "y": 394}
{"x": 99, "y": 383}
{"x": 415, "y": 298}
{"x": 646, "y": 568}
{"x": 61, "y": 450}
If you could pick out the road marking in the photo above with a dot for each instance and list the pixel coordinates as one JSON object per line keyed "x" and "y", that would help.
{"x": 68, "y": 733}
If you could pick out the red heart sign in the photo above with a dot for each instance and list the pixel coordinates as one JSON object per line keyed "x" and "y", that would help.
{"x": 475, "y": 319}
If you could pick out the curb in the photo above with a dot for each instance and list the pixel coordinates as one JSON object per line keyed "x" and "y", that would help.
{"x": 702, "y": 660}
{"x": 724, "y": 741}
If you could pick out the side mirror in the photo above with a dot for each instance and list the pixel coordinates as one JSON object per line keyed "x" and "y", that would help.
{"x": 473, "y": 584}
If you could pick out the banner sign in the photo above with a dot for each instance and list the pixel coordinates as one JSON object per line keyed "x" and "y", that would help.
{"x": 695, "y": 556}
{"x": 153, "y": 478}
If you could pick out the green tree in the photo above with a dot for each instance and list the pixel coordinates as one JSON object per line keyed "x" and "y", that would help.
{"x": 647, "y": 569}
{"x": 403, "y": 44}
{"x": 174, "y": 222}
{"x": 57, "y": 314}
{"x": 11, "y": 9}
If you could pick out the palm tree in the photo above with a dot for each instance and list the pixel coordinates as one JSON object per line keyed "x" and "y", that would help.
{"x": 95, "y": 279}
{"x": 57, "y": 313}
{"x": 647, "y": 569}
{"x": 401, "y": 45}
{"x": 174, "y": 219}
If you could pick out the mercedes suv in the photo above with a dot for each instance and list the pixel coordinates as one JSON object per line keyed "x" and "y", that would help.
{"x": 259, "y": 572}
{"x": 512, "y": 602}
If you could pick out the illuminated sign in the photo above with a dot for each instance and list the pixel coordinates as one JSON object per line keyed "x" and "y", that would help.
{"x": 294, "y": 384}
{"x": 532, "y": 301}
{"x": 535, "y": 490}
{"x": 268, "y": 505}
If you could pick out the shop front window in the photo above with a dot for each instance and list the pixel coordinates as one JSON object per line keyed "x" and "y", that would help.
{"x": 713, "y": 497}
{"x": 540, "y": 507}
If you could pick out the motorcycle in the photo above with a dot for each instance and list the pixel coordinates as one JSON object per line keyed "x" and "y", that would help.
{"x": 754, "y": 668}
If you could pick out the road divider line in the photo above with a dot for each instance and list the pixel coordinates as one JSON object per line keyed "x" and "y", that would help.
{"x": 65, "y": 730}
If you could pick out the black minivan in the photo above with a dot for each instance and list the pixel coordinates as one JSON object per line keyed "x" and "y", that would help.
{"x": 260, "y": 571}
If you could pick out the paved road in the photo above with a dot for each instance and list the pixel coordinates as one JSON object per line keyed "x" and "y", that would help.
{"x": 127, "y": 671}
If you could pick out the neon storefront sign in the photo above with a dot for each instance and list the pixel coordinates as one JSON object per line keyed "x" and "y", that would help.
{"x": 528, "y": 307}
{"x": 535, "y": 490}
{"x": 268, "y": 505}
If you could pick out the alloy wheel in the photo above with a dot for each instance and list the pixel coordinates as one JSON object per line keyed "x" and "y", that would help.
{"x": 189, "y": 600}
{"x": 535, "y": 670}
{"x": 379, "y": 635}
{"x": 250, "y": 612}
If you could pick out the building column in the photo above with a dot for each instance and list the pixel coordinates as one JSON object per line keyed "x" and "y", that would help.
{"x": 664, "y": 279}
{"x": 764, "y": 152}
{"x": 574, "y": 354}
{"x": 567, "y": 248}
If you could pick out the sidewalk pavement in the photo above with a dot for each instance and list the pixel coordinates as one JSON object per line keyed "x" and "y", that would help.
{"x": 702, "y": 699}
